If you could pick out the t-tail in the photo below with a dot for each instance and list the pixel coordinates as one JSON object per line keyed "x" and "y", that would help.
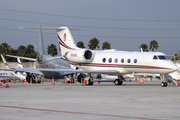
{"x": 66, "y": 41}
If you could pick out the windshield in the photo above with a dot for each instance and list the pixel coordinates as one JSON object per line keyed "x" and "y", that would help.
{"x": 162, "y": 57}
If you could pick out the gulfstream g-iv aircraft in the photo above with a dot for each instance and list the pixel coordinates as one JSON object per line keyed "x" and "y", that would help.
{"x": 122, "y": 62}
{"x": 110, "y": 62}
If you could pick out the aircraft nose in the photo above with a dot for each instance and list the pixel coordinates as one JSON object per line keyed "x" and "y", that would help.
{"x": 174, "y": 67}
{"x": 178, "y": 65}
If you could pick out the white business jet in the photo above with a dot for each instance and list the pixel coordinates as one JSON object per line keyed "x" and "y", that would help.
{"x": 17, "y": 75}
{"x": 121, "y": 62}
{"x": 109, "y": 62}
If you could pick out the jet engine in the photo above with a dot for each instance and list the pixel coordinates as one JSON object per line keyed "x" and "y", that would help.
{"x": 39, "y": 58}
{"x": 79, "y": 56}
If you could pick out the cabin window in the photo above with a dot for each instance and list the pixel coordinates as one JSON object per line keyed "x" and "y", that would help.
{"x": 104, "y": 60}
{"x": 155, "y": 57}
{"x": 116, "y": 60}
{"x": 110, "y": 60}
{"x": 129, "y": 60}
{"x": 135, "y": 60}
{"x": 122, "y": 60}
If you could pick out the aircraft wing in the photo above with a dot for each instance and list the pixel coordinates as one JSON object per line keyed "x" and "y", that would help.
{"x": 25, "y": 58}
{"x": 27, "y": 70}
{"x": 8, "y": 78}
{"x": 65, "y": 70}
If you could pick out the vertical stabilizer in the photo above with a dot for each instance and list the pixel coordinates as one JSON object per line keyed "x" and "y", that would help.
{"x": 41, "y": 42}
{"x": 4, "y": 61}
{"x": 66, "y": 40}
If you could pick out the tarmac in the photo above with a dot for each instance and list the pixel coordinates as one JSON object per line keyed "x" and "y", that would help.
{"x": 104, "y": 101}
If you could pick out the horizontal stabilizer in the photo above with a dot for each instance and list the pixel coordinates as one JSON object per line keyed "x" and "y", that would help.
{"x": 53, "y": 58}
{"x": 47, "y": 28}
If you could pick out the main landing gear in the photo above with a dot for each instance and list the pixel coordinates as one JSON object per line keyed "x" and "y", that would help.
{"x": 164, "y": 84}
{"x": 163, "y": 80}
{"x": 88, "y": 78}
{"x": 119, "y": 81}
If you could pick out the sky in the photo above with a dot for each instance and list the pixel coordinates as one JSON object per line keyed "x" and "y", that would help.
{"x": 125, "y": 24}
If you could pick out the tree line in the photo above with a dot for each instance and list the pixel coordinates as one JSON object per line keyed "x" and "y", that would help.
{"x": 93, "y": 44}
{"x": 24, "y": 51}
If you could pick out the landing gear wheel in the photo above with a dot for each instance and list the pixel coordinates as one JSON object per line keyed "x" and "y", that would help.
{"x": 89, "y": 82}
{"x": 120, "y": 82}
{"x": 164, "y": 84}
{"x": 117, "y": 82}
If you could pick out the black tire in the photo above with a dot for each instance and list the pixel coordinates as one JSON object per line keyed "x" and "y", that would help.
{"x": 117, "y": 82}
{"x": 164, "y": 84}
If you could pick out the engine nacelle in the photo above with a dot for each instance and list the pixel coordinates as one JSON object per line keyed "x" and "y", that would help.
{"x": 79, "y": 56}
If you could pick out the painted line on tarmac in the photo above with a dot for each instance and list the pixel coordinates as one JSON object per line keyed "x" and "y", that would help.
{"x": 46, "y": 110}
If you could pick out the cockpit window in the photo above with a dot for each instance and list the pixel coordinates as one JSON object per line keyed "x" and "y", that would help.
{"x": 162, "y": 57}
{"x": 155, "y": 57}
{"x": 167, "y": 57}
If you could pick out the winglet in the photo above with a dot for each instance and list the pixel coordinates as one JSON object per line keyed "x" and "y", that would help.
{"x": 5, "y": 63}
{"x": 19, "y": 63}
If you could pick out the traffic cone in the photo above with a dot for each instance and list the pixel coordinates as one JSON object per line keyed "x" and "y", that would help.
{"x": 53, "y": 83}
{"x": 30, "y": 80}
{"x": 14, "y": 82}
{"x": 178, "y": 82}
{"x": 65, "y": 81}
{"x": 22, "y": 81}
{"x": 48, "y": 80}
{"x": 142, "y": 81}
{"x": 84, "y": 81}
{"x": 7, "y": 85}
{"x": 0, "y": 83}
{"x": 42, "y": 81}
{"x": 74, "y": 81}
{"x": 93, "y": 81}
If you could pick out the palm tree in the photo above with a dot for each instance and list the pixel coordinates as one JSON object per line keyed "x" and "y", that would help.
{"x": 80, "y": 44}
{"x": 93, "y": 43}
{"x": 52, "y": 50}
{"x": 22, "y": 50}
{"x": 144, "y": 47}
{"x": 30, "y": 49}
{"x": 154, "y": 45}
{"x": 106, "y": 45}
{"x": 5, "y": 48}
